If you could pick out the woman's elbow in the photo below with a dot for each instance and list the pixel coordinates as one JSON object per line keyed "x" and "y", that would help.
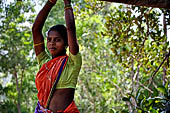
{"x": 35, "y": 29}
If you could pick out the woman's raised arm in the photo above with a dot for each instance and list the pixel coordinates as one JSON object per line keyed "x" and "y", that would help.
{"x": 71, "y": 29}
{"x": 38, "y": 25}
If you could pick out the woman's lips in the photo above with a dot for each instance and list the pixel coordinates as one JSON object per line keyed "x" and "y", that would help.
{"x": 52, "y": 49}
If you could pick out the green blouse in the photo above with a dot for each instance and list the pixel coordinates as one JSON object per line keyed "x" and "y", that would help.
{"x": 69, "y": 76}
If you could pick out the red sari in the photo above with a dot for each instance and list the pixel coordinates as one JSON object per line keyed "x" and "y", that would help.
{"x": 46, "y": 77}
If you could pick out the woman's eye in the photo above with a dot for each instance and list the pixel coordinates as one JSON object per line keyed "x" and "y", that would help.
{"x": 57, "y": 40}
{"x": 48, "y": 39}
{"x": 53, "y": 40}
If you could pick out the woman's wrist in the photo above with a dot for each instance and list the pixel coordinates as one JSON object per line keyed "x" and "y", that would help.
{"x": 67, "y": 2}
{"x": 67, "y": 6}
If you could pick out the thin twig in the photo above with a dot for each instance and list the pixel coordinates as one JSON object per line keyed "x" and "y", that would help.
{"x": 144, "y": 87}
{"x": 151, "y": 79}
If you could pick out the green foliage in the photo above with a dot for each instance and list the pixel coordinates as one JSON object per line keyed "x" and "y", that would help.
{"x": 16, "y": 57}
{"x": 153, "y": 103}
{"x": 137, "y": 42}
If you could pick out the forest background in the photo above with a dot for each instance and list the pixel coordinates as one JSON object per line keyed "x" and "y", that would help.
{"x": 125, "y": 53}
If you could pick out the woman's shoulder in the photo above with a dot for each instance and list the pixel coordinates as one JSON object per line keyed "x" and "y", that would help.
{"x": 75, "y": 59}
{"x": 42, "y": 58}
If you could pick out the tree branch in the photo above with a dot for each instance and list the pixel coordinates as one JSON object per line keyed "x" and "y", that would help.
{"x": 144, "y": 87}
{"x": 148, "y": 3}
{"x": 151, "y": 79}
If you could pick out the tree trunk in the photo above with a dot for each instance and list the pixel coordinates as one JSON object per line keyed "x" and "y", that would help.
{"x": 18, "y": 90}
{"x": 148, "y": 3}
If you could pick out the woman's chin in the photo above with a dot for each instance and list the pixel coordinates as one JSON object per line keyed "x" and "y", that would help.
{"x": 53, "y": 54}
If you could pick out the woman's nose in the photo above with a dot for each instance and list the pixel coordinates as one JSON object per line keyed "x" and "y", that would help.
{"x": 52, "y": 41}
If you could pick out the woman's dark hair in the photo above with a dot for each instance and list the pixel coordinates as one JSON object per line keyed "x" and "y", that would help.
{"x": 61, "y": 29}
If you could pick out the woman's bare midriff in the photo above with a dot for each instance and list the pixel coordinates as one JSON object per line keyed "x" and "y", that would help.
{"x": 61, "y": 99}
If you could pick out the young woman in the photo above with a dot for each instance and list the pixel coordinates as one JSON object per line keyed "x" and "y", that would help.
{"x": 56, "y": 98}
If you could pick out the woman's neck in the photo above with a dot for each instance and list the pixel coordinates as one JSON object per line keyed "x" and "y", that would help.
{"x": 62, "y": 54}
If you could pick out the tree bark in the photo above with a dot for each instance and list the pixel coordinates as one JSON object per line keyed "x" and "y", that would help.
{"x": 18, "y": 91}
{"x": 148, "y": 3}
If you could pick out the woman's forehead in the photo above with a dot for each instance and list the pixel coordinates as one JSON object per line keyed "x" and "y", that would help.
{"x": 54, "y": 37}
{"x": 54, "y": 33}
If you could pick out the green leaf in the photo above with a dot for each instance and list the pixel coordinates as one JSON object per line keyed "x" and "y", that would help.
{"x": 155, "y": 92}
{"x": 152, "y": 110}
{"x": 166, "y": 85}
{"x": 111, "y": 111}
{"x": 162, "y": 89}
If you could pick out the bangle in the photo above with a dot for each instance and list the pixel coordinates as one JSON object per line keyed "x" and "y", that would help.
{"x": 38, "y": 44}
{"x": 67, "y": 6}
{"x": 51, "y": 1}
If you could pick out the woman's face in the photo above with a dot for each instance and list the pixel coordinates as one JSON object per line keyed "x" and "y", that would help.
{"x": 55, "y": 44}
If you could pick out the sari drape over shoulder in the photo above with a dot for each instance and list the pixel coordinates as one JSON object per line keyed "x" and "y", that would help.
{"x": 46, "y": 77}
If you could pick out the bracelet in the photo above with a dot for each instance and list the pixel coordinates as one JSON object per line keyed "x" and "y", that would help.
{"x": 38, "y": 44}
{"x": 51, "y": 1}
{"x": 67, "y": 6}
